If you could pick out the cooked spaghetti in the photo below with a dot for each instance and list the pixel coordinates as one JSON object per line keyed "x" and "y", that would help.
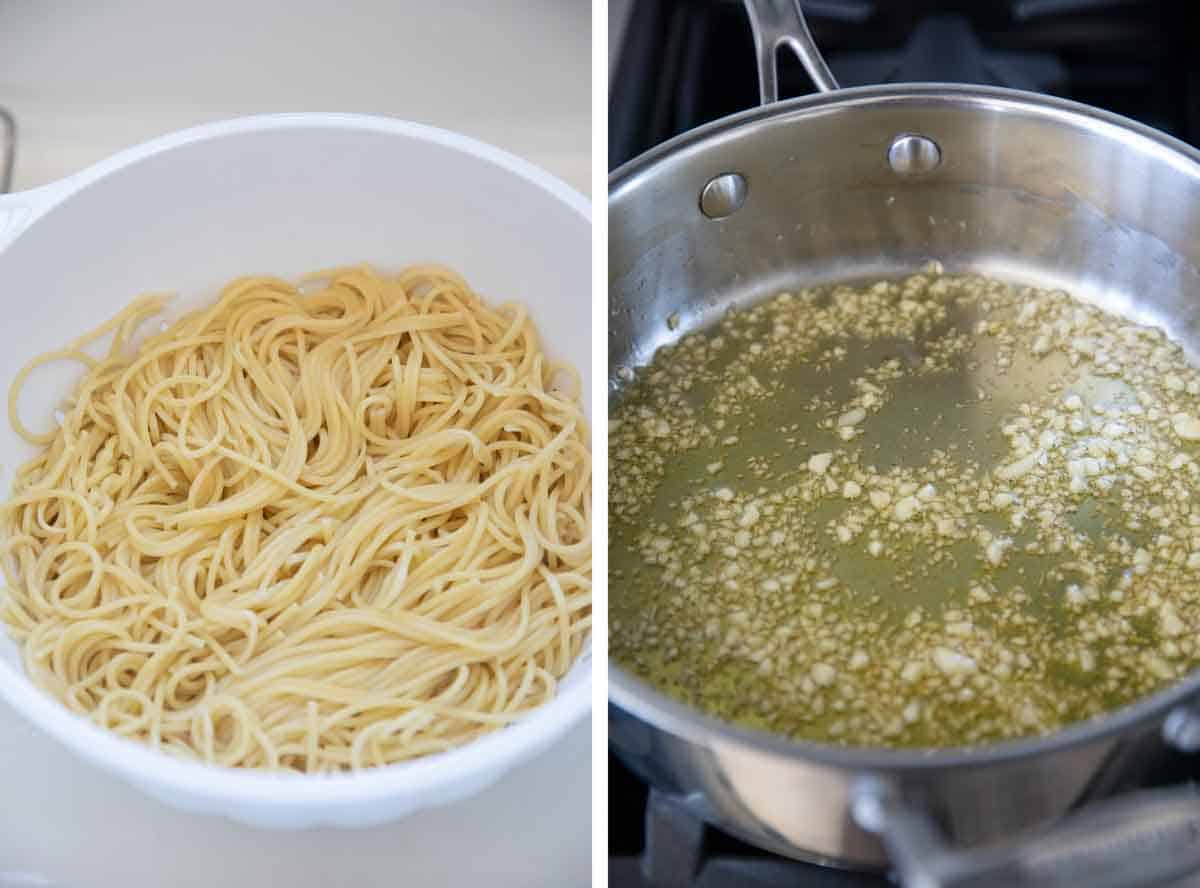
{"x": 315, "y": 530}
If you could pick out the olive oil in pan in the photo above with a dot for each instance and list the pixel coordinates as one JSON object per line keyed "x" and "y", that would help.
{"x": 937, "y": 511}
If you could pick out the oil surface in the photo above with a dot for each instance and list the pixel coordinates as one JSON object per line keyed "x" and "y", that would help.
{"x": 933, "y": 512}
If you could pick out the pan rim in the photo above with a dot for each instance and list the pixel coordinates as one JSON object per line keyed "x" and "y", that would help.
{"x": 1106, "y": 123}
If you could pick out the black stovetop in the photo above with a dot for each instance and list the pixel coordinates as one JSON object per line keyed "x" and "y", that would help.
{"x": 686, "y": 62}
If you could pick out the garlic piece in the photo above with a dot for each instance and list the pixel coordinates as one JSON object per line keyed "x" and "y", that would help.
{"x": 952, "y": 662}
{"x": 1186, "y": 427}
{"x": 818, "y": 463}
{"x": 907, "y": 507}
{"x": 852, "y": 417}
{"x": 824, "y": 674}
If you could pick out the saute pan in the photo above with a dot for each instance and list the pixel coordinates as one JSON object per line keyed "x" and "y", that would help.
{"x": 874, "y": 182}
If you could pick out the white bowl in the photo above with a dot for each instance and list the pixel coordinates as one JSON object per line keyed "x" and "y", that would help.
{"x": 286, "y": 194}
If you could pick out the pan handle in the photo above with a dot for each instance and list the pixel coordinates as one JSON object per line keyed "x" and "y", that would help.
{"x": 1150, "y": 837}
{"x": 778, "y": 23}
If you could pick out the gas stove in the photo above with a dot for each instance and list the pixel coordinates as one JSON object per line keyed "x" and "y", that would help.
{"x": 654, "y": 842}
{"x": 683, "y": 63}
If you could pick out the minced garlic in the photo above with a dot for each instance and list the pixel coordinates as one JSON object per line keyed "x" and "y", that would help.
{"x": 805, "y": 539}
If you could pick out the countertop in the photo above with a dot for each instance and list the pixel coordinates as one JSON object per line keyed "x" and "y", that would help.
{"x": 85, "y": 80}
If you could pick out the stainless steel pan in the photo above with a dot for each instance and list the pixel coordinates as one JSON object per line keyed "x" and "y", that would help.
{"x": 873, "y": 182}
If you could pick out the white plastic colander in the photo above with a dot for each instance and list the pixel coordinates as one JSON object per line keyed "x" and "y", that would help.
{"x": 285, "y": 194}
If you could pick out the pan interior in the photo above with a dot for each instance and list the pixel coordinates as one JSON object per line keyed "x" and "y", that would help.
{"x": 788, "y": 620}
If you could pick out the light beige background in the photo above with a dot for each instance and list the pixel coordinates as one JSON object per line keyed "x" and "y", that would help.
{"x": 87, "y": 79}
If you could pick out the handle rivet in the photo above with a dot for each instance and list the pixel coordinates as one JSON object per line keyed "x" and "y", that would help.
{"x": 723, "y": 195}
{"x": 913, "y": 155}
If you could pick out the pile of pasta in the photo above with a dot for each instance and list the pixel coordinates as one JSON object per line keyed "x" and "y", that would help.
{"x": 315, "y": 527}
